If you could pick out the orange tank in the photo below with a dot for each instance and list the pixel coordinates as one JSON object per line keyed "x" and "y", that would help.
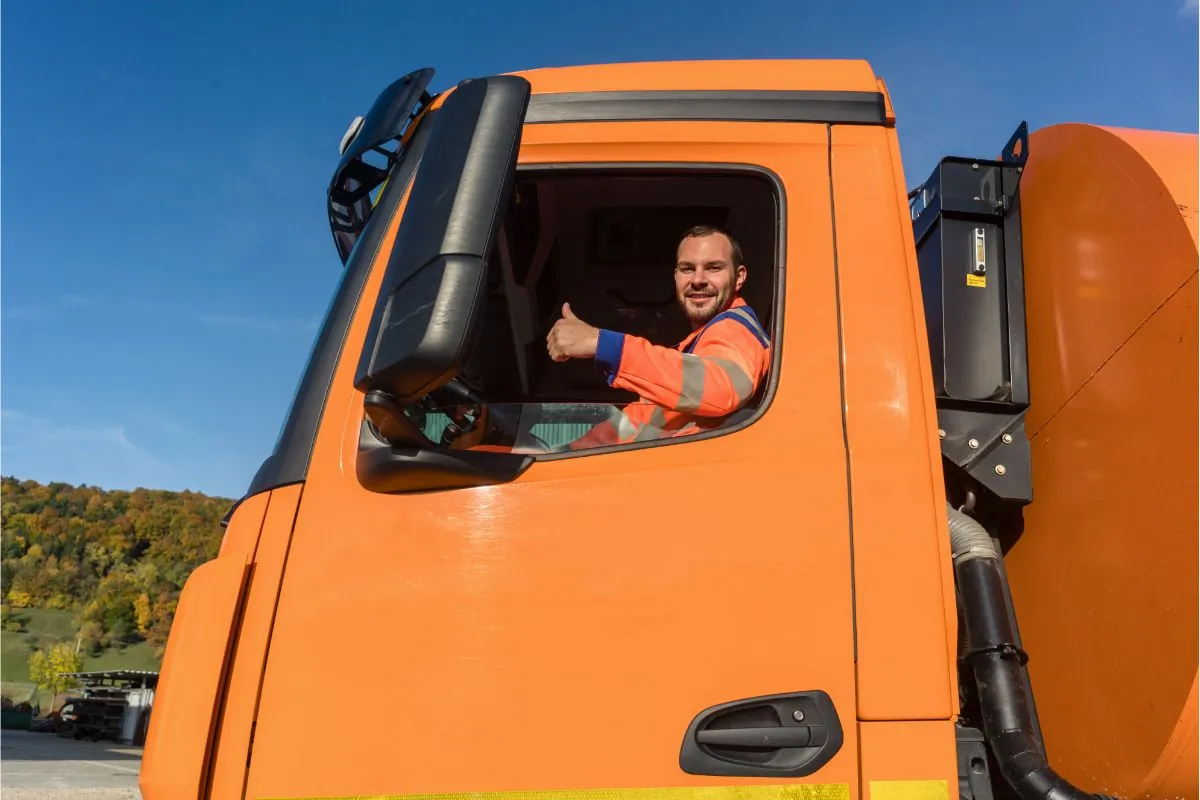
{"x": 1104, "y": 576}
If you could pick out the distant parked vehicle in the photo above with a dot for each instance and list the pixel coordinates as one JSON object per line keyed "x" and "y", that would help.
{"x": 15, "y": 716}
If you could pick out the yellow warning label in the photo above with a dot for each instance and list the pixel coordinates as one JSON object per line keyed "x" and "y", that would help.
{"x": 909, "y": 790}
{"x": 792, "y": 791}
{"x": 879, "y": 790}
{"x": 976, "y": 280}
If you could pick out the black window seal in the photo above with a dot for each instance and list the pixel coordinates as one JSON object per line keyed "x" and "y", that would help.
{"x": 289, "y": 460}
{"x": 742, "y": 105}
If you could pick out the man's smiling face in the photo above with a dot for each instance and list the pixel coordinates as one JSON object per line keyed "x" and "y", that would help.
{"x": 706, "y": 276}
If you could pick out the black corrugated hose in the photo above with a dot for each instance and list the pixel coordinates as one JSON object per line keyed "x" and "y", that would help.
{"x": 998, "y": 665}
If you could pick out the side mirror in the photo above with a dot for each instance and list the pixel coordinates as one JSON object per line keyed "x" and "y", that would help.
{"x": 349, "y": 201}
{"x": 424, "y": 323}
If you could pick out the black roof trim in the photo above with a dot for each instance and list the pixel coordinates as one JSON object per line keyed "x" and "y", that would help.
{"x": 834, "y": 108}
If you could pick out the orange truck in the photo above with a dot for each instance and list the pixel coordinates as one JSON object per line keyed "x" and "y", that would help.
{"x": 981, "y": 410}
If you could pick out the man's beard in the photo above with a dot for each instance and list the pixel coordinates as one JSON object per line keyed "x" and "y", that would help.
{"x": 699, "y": 316}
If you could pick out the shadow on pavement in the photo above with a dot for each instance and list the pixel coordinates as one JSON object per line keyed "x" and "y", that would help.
{"x": 26, "y": 746}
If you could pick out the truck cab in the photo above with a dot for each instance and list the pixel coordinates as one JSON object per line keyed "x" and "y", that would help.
{"x": 763, "y": 609}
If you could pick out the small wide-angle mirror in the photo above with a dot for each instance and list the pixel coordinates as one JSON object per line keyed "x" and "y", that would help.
{"x": 349, "y": 194}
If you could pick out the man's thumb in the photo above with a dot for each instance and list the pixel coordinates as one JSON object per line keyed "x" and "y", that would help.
{"x": 567, "y": 313}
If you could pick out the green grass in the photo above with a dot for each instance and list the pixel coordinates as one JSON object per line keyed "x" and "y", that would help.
{"x": 14, "y": 658}
{"x": 43, "y": 628}
{"x": 137, "y": 656}
{"x": 47, "y": 622}
{"x": 46, "y": 627}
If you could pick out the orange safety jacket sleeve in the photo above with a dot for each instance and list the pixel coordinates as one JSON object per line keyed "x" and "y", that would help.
{"x": 720, "y": 374}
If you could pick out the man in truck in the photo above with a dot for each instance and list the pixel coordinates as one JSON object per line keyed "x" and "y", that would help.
{"x": 695, "y": 385}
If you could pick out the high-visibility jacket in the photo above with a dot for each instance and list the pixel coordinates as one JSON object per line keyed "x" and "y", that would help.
{"x": 684, "y": 389}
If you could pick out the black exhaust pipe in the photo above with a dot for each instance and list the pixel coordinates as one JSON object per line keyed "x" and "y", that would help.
{"x": 999, "y": 667}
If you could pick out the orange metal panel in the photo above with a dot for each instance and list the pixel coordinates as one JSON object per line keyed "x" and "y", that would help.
{"x": 568, "y": 141}
{"x": 1104, "y": 576}
{"x": 573, "y": 622}
{"x": 909, "y": 761}
{"x": 241, "y": 535}
{"x": 901, "y": 544}
{"x": 1173, "y": 157}
{"x": 177, "y": 744}
{"x": 1104, "y": 245}
{"x": 232, "y": 743}
{"x": 828, "y": 75}
{"x": 1175, "y": 774}
{"x": 933, "y": 445}
{"x": 847, "y": 75}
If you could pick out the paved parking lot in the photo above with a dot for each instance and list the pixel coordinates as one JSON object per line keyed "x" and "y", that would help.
{"x": 42, "y": 766}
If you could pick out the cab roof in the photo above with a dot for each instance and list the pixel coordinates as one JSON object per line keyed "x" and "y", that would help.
{"x": 835, "y": 75}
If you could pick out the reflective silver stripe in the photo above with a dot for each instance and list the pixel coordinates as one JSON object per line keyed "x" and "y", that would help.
{"x": 692, "y": 392}
{"x": 654, "y": 428}
{"x": 625, "y": 427}
{"x": 741, "y": 312}
{"x": 743, "y": 387}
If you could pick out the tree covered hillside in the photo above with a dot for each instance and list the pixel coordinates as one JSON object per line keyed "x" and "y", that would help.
{"x": 116, "y": 560}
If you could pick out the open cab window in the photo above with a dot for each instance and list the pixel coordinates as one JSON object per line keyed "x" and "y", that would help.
{"x": 459, "y": 388}
{"x": 602, "y": 239}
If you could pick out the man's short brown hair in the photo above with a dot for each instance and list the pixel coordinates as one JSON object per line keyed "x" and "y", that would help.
{"x": 710, "y": 230}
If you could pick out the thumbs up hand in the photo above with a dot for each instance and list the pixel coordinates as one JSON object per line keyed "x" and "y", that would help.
{"x": 571, "y": 337}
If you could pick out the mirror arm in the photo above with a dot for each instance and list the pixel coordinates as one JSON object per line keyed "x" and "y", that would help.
{"x": 391, "y": 423}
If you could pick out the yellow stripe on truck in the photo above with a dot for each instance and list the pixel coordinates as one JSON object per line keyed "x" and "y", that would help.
{"x": 909, "y": 790}
{"x": 811, "y": 791}
{"x": 379, "y": 193}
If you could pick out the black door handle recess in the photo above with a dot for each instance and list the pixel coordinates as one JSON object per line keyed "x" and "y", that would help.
{"x": 782, "y": 735}
{"x": 773, "y": 738}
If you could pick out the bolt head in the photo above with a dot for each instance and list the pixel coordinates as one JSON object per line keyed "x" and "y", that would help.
{"x": 1000, "y": 470}
{"x": 1007, "y": 438}
{"x": 941, "y": 434}
{"x": 798, "y": 715}
{"x": 973, "y": 443}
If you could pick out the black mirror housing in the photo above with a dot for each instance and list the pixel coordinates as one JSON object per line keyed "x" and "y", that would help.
{"x": 424, "y": 323}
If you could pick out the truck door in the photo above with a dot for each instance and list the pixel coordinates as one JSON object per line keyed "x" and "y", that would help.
{"x": 659, "y": 619}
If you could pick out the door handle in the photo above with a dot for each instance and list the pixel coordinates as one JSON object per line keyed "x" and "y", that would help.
{"x": 782, "y": 735}
{"x": 768, "y": 737}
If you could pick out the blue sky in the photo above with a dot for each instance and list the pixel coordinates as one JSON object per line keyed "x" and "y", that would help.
{"x": 164, "y": 249}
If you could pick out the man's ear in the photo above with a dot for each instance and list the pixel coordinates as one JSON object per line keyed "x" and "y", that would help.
{"x": 741, "y": 277}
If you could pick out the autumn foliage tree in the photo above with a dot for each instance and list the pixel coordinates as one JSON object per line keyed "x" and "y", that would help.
{"x": 117, "y": 559}
{"x": 46, "y": 667}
